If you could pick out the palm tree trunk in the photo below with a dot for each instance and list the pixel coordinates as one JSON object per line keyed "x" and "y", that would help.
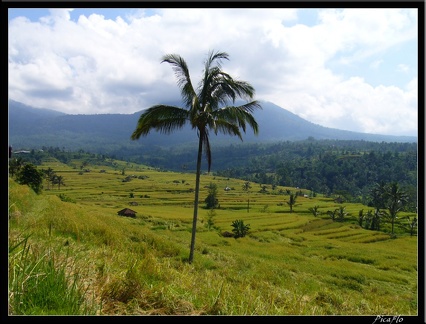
{"x": 197, "y": 191}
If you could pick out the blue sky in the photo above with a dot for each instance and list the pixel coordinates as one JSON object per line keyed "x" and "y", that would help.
{"x": 349, "y": 69}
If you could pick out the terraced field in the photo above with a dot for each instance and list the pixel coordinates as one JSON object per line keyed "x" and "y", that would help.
{"x": 290, "y": 263}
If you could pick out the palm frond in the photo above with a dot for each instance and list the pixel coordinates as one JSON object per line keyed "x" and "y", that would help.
{"x": 162, "y": 118}
{"x": 215, "y": 57}
{"x": 240, "y": 115}
{"x": 210, "y": 75}
{"x": 228, "y": 128}
{"x": 181, "y": 70}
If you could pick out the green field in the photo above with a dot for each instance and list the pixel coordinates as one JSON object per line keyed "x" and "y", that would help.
{"x": 290, "y": 263}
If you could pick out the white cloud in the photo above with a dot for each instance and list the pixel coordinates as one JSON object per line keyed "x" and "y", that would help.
{"x": 98, "y": 65}
{"x": 403, "y": 68}
{"x": 375, "y": 65}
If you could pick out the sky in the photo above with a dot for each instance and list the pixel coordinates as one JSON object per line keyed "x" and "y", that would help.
{"x": 351, "y": 69}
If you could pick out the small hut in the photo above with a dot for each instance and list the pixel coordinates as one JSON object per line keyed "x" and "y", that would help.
{"x": 127, "y": 212}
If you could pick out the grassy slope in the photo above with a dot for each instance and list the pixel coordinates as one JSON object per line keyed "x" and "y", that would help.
{"x": 289, "y": 264}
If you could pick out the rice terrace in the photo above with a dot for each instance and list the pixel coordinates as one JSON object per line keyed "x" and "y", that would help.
{"x": 71, "y": 253}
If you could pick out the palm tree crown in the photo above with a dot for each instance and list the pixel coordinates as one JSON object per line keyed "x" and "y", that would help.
{"x": 205, "y": 109}
{"x": 209, "y": 107}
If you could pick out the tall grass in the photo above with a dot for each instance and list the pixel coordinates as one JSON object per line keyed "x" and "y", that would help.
{"x": 40, "y": 283}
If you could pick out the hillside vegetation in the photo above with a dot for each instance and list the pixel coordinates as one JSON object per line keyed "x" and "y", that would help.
{"x": 70, "y": 252}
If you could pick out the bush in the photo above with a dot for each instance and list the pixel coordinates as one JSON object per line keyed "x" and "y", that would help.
{"x": 240, "y": 230}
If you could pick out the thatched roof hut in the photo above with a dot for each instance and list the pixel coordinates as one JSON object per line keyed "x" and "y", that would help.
{"x": 127, "y": 212}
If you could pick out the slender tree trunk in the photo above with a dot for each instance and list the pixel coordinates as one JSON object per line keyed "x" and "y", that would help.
{"x": 393, "y": 221}
{"x": 197, "y": 191}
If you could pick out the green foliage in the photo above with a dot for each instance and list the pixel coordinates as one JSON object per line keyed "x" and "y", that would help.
{"x": 246, "y": 187}
{"x": 211, "y": 199}
{"x": 411, "y": 225}
{"x": 62, "y": 197}
{"x": 210, "y": 221}
{"x": 373, "y": 219}
{"x": 239, "y": 228}
{"x": 292, "y": 201}
{"x": 341, "y": 213}
{"x": 29, "y": 175}
{"x": 15, "y": 165}
{"x": 318, "y": 167}
{"x": 38, "y": 285}
{"x": 315, "y": 210}
{"x": 332, "y": 214}
{"x": 395, "y": 199}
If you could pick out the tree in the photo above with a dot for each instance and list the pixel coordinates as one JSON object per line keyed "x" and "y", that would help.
{"x": 239, "y": 228}
{"x": 377, "y": 195}
{"x": 361, "y": 217}
{"x": 263, "y": 189}
{"x": 15, "y": 165}
{"x": 341, "y": 213}
{"x": 291, "y": 201}
{"x": 83, "y": 165}
{"x": 50, "y": 176}
{"x": 210, "y": 222}
{"x": 332, "y": 214}
{"x": 315, "y": 210}
{"x": 246, "y": 188}
{"x": 373, "y": 219}
{"x": 29, "y": 175}
{"x": 395, "y": 200}
{"x": 58, "y": 180}
{"x": 411, "y": 224}
{"x": 376, "y": 218}
{"x": 211, "y": 199}
{"x": 205, "y": 108}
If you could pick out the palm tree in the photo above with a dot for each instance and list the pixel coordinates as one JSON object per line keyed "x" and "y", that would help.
{"x": 376, "y": 218}
{"x": 332, "y": 214}
{"x": 205, "y": 108}
{"x": 412, "y": 224}
{"x": 315, "y": 210}
{"x": 59, "y": 180}
{"x": 361, "y": 217}
{"x": 292, "y": 201}
{"x": 341, "y": 213}
{"x": 50, "y": 176}
{"x": 377, "y": 195}
{"x": 396, "y": 198}
{"x": 246, "y": 188}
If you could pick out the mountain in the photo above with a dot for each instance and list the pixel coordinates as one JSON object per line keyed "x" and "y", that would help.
{"x": 33, "y": 128}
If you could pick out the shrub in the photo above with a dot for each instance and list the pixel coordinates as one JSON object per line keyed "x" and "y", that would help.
{"x": 239, "y": 228}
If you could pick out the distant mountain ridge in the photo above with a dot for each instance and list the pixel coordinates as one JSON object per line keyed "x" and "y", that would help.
{"x": 31, "y": 127}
